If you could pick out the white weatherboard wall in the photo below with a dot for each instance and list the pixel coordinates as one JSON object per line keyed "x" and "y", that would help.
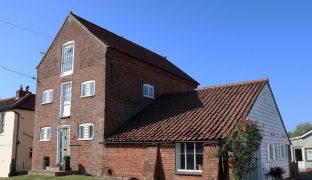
{"x": 266, "y": 114}
{"x": 7, "y": 144}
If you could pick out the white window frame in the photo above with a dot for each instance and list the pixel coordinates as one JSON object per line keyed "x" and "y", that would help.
{"x": 70, "y": 43}
{"x": 283, "y": 152}
{"x": 2, "y": 123}
{"x": 81, "y": 89}
{"x": 88, "y": 125}
{"x": 43, "y": 96}
{"x": 150, "y": 91}
{"x": 61, "y": 100}
{"x": 269, "y": 152}
{"x": 45, "y": 129}
{"x": 186, "y": 171}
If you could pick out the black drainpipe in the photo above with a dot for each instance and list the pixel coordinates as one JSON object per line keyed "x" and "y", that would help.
{"x": 13, "y": 161}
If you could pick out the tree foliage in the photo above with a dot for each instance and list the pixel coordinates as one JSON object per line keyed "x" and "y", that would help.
{"x": 243, "y": 145}
{"x": 300, "y": 129}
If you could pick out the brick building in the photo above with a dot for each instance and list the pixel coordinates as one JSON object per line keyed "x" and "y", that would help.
{"x": 121, "y": 110}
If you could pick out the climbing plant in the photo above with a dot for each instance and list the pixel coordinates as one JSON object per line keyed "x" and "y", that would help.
{"x": 240, "y": 148}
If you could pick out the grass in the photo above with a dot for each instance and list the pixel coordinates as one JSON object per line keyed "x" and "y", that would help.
{"x": 41, "y": 177}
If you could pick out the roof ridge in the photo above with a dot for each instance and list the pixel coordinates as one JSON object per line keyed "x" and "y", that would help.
{"x": 233, "y": 84}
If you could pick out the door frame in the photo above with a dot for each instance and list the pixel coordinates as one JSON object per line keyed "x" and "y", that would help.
{"x": 58, "y": 142}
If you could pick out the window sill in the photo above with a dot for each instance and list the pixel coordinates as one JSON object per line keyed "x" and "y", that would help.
{"x": 189, "y": 172}
{"x": 87, "y": 96}
{"x": 44, "y": 140}
{"x": 64, "y": 117}
{"x": 151, "y": 97}
{"x": 86, "y": 139}
{"x": 47, "y": 103}
{"x": 66, "y": 74}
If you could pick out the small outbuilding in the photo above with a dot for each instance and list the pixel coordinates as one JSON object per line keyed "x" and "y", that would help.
{"x": 301, "y": 151}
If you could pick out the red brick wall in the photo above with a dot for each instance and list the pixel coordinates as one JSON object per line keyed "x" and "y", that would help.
{"x": 89, "y": 64}
{"x": 124, "y": 87}
{"x": 154, "y": 162}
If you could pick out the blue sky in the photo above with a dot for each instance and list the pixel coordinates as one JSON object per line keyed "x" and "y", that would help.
{"x": 214, "y": 41}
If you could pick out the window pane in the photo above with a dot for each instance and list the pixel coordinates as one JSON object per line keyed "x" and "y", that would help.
{"x": 48, "y": 134}
{"x": 190, "y": 148}
{"x": 67, "y": 59}
{"x": 199, "y": 148}
{"x": 80, "y": 132}
{"x": 199, "y": 162}
{"x": 182, "y": 156}
{"x": 92, "y": 87}
{"x": 85, "y": 132}
{"x": 190, "y": 161}
{"x": 90, "y": 131}
{"x": 145, "y": 90}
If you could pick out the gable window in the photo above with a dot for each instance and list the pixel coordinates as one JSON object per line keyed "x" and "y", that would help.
{"x": 65, "y": 99}
{"x": 47, "y": 96}
{"x": 67, "y": 58}
{"x": 45, "y": 134}
{"x": 2, "y": 123}
{"x": 85, "y": 131}
{"x": 148, "y": 91}
{"x": 87, "y": 88}
{"x": 189, "y": 157}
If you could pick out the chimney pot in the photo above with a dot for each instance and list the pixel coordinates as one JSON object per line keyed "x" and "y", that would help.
{"x": 21, "y": 88}
{"x": 27, "y": 88}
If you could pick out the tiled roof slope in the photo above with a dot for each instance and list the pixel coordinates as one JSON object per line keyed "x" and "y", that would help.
{"x": 27, "y": 102}
{"x": 132, "y": 49}
{"x": 202, "y": 114}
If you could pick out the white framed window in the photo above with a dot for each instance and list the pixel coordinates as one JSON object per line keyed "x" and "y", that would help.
{"x": 47, "y": 96}
{"x": 189, "y": 157}
{"x": 2, "y": 123}
{"x": 45, "y": 134}
{"x": 65, "y": 99}
{"x": 277, "y": 152}
{"x": 87, "y": 89}
{"x": 85, "y": 131}
{"x": 282, "y": 151}
{"x": 148, "y": 91}
{"x": 67, "y": 62}
{"x": 286, "y": 151}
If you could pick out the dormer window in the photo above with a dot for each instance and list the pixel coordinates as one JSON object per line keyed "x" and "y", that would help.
{"x": 148, "y": 91}
{"x": 67, "y": 62}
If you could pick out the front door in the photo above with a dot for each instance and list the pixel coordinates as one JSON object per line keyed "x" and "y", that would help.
{"x": 63, "y": 143}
